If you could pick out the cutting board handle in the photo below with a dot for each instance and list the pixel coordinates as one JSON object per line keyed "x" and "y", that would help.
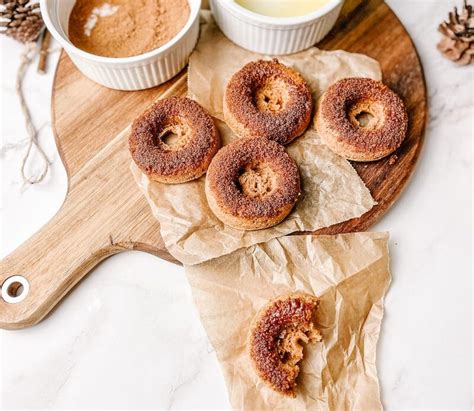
{"x": 41, "y": 271}
{"x": 104, "y": 213}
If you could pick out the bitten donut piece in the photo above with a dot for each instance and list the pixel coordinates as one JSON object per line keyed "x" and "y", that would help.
{"x": 268, "y": 99}
{"x": 174, "y": 140}
{"x": 252, "y": 183}
{"x": 361, "y": 119}
{"x": 275, "y": 339}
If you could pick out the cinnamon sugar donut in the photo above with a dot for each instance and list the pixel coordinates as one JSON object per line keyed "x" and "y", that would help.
{"x": 275, "y": 338}
{"x": 174, "y": 140}
{"x": 252, "y": 184}
{"x": 361, "y": 119}
{"x": 268, "y": 99}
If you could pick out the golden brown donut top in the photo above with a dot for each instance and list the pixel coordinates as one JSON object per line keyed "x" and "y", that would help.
{"x": 346, "y": 94}
{"x": 277, "y": 125}
{"x": 275, "y": 338}
{"x": 149, "y": 151}
{"x": 228, "y": 164}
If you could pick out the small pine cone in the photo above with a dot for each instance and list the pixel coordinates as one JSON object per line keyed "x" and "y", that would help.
{"x": 457, "y": 43}
{"x": 21, "y": 19}
{"x": 457, "y": 51}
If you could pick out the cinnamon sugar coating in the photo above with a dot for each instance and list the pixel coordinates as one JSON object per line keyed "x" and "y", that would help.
{"x": 273, "y": 169}
{"x": 348, "y": 97}
{"x": 132, "y": 28}
{"x": 268, "y": 84}
{"x": 188, "y": 158}
{"x": 275, "y": 340}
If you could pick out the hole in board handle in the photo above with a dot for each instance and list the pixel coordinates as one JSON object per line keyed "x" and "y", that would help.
{"x": 15, "y": 289}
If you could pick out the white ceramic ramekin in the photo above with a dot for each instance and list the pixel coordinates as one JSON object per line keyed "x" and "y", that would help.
{"x": 128, "y": 73}
{"x": 274, "y": 35}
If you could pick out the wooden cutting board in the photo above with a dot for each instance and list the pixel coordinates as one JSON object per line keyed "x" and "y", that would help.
{"x": 104, "y": 212}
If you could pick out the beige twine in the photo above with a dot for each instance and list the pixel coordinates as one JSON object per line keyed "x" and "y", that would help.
{"x": 29, "y": 53}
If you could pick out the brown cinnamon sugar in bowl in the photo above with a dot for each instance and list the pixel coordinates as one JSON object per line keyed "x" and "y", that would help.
{"x": 125, "y": 28}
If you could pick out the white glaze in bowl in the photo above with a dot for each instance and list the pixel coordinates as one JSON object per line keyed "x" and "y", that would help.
{"x": 274, "y": 35}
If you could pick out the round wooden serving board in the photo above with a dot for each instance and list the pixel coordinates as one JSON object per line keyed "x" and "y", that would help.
{"x": 105, "y": 213}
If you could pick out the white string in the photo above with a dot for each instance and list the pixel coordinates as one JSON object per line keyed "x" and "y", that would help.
{"x": 30, "y": 51}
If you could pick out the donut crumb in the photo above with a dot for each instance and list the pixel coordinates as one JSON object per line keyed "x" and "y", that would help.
{"x": 393, "y": 159}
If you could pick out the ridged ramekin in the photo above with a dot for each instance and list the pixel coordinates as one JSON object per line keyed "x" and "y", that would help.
{"x": 274, "y": 35}
{"x": 127, "y": 73}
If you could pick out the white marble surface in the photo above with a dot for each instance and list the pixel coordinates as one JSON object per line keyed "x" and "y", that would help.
{"x": 116, "y": 341}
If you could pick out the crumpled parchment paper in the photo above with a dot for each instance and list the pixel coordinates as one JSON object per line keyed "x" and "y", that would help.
{"x": 332, "y": 190}
{"x": 349, "y": 272}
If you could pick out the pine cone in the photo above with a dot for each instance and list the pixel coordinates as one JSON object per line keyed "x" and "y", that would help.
{"x": 458, "y": 36}
{"x": 21, "y": 19}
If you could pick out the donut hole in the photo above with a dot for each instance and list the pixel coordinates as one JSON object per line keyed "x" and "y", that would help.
{"x": 273, "y": 96}
{"x": 364, "y": 118}
{"x": 367, "y": 115}
{"x": 174, "y": 137}
{"x": 257, "y": 180}
{"x": 170, "y": 138}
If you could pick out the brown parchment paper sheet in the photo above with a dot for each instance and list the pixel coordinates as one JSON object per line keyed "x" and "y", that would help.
{"x": 349, "y": 272}
{"x": 332, "y": 190}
